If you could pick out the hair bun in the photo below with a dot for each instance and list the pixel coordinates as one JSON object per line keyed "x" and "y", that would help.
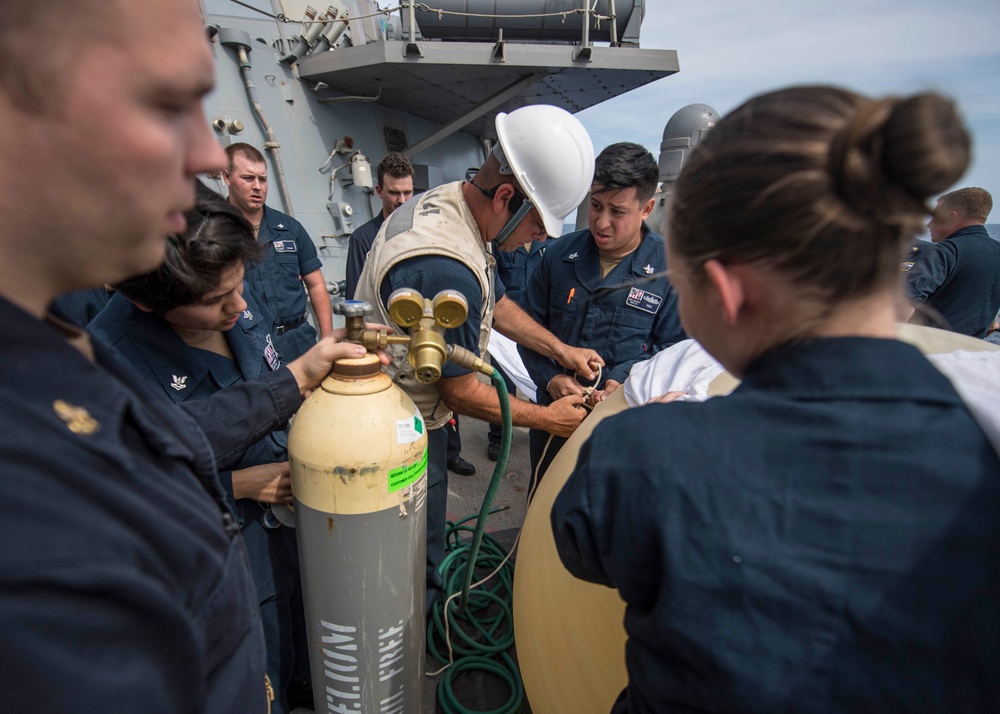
{"x": 927, "y": 148}
{"x": 894, "y": 153}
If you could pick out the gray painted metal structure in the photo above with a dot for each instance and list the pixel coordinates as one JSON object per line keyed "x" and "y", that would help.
{"x": 612, "y": 21}
{"x": 452, "y": 81}
{"x": 376, "y": 92}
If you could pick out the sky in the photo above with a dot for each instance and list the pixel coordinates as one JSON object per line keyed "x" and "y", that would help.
{"x": 731, "y": 50}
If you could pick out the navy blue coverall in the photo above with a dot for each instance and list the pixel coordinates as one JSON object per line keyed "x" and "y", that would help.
{"x": 183, "y": 374}
{"x": 81, "y": 306}
{"x": 125, "y": 585}
{"x": 357, "y": 251}
{"x": 514, "y": 268}
{"x": 276, "y": 280}
{"x": 957, "y": 281}
{"x": 792, "y": 547}
{"x": 627, "y": 316}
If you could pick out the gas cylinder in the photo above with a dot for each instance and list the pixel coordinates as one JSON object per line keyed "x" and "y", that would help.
{"x": 358, "y": 454}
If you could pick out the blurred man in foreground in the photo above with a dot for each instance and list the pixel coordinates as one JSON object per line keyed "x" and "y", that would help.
{"x": 128, "y": 589}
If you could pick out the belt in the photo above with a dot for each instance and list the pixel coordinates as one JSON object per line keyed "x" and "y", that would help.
{"x": 288, "y": 326}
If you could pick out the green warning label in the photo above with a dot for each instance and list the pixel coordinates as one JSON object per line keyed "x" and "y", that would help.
{"x": 405, "y": 475}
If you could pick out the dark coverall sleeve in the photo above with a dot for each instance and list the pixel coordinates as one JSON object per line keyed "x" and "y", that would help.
{"x": 607, "y": 520}
{"x": 928, "y": 273}
{"x": 65, "y": 621}
{"x": 577, "y": 520}
{"x": 238, "y": 416}
{"x": 309, "y": 261}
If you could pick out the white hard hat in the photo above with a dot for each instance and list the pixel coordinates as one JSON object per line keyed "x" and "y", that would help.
{"x": 552, "y": 157}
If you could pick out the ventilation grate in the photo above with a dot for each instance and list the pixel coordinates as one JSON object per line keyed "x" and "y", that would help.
{"x": 395, "y": 139}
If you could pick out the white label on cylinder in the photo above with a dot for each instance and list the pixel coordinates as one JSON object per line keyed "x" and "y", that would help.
{"x": 409, "y": 430}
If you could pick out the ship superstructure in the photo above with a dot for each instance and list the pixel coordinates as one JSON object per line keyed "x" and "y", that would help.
{"x": 327, "y": 91}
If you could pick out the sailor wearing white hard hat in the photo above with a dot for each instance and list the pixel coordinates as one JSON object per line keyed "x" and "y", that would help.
{"x": 540, "y": 172}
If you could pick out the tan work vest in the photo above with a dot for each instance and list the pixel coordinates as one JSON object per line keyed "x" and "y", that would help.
{"x": 437, "y": 222}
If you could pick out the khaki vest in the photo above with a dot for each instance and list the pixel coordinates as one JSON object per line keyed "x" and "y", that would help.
{"x": 437, "y": 222}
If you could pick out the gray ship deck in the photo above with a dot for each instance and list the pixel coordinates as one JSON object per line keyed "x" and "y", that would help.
{"x": 465, "y": 497}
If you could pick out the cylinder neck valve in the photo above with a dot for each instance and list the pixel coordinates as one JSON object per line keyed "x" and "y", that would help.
{"x": 426, "y": 321}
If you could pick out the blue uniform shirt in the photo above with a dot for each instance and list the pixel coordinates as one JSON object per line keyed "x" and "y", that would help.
{"x": 792, "y": 547}
{"x": 276, "y": 279}
{"x": 626, "y": 317}
{"x": 429, "y": 275}
{"x": 80, "y": 306}
{"x": 357, "y": 251}
{"x": 124, "y": 585}
{"x": 184, "y": 373}
{"x": 514, "y": 267}
{"x": 958, "y": 281}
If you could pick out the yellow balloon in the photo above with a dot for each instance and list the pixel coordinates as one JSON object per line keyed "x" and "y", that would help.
{"x": 569, "y": 633}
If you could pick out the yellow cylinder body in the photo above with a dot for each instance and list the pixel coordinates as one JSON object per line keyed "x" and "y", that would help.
{"x": 358, "y": 454}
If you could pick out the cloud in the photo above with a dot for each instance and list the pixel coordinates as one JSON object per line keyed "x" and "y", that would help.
{"x": 730, "y": 50}
{"x": 801, "y": 37}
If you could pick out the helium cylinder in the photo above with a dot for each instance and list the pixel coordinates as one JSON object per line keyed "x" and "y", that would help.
{"x": 358, "y": 454}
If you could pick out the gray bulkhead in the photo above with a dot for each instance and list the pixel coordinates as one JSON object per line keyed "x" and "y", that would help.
{"x": 382, "y": 88}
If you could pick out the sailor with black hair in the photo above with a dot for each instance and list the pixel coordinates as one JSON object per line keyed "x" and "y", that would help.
{"x": 604, "y": 287}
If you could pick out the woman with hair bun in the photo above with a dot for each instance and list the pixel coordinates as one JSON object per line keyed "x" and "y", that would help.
{"x": 825, "y": 538}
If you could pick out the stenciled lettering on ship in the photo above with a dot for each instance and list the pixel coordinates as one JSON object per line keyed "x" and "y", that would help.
{"x": 340, "y": 664}
{"x": 390, "y": 654}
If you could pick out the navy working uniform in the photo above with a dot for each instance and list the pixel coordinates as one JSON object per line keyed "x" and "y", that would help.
{"x": 432, "y": 243}
{"x": 186, "y": 374}
{"x": 913, "y": 253}
{"x": 276, "y": 279}
{"x": 626, "y": 317}
{"x": 958, "y": 280}
{"x": 81, "y": 306}
{"x": 514, "y": 268}
{"x": 125, "y": 582}
{"x": 994, "y": 335}
{"x": 791, "y": 547}
{"x": 357, "y": 251}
